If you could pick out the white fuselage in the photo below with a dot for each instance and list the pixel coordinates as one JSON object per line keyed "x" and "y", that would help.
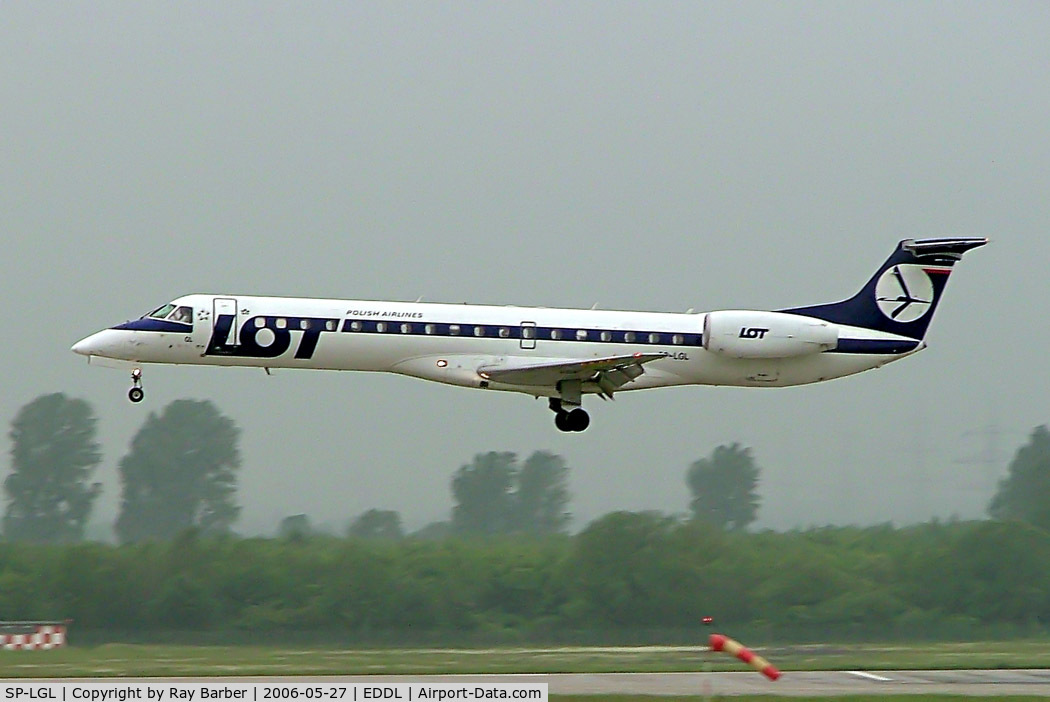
{"x": 455, "y": 343}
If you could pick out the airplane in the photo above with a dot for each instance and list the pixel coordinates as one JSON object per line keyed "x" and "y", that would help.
{"x": 560, "y": 354}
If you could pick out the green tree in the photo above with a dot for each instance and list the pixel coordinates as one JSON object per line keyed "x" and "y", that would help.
{"x": 629, "y": 571}
{"x": 482, "y": 491}
{"x": 377, "y": 524}
{"x": 543, "y": 495}
{"x": 494, "y": 495}
{"x": 1024, "y": 494}
{"x": 180, "y": 473}
{"x": 53, "y": 453}
{"x": 723, "y": 488}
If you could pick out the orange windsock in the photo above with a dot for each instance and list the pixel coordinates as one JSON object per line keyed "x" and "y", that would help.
{"x": 720, "y": 642}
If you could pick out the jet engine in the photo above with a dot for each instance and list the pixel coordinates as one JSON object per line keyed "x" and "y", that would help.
{"x": 752, "y": 334}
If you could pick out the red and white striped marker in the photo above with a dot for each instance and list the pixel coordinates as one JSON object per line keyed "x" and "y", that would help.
{"x": 734, "y": 648}
{"x": 35, "y": 637}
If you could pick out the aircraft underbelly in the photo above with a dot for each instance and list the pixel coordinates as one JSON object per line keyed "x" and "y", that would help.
{"x": 455, "y": 364}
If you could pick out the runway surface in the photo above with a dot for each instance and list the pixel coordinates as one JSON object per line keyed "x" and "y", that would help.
{"x": 810, "y": 683}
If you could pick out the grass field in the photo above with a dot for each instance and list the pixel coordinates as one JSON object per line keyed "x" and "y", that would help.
{"x": 136, "y": 660}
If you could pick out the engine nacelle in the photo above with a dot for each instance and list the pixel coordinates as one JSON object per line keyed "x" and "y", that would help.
{"x": 750, "y": 334}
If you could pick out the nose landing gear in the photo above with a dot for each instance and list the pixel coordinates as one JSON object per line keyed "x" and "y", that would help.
{"x": 135, "y": 394}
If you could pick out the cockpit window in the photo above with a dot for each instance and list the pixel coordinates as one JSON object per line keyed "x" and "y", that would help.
{"x": 183, "y": 315}
{"x": 161, "y": 312}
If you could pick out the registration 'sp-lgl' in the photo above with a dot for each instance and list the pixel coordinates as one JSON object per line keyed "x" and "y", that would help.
{"x": 560, "y": 354}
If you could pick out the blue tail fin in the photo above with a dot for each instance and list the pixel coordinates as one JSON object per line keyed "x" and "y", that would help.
{"x": 903, "y": 294}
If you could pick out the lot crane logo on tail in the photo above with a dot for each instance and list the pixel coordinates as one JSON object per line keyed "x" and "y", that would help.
{"x": 904, "y": 292}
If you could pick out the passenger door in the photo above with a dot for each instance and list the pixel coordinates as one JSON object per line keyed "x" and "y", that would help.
{"x": 225, "y": 308}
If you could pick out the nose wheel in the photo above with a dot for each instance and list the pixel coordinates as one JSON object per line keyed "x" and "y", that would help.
{"x": 136, "y": 393}
{"x": 569, "y": 420}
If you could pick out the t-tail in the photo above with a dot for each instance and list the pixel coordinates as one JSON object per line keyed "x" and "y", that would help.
{"x": 903, "y": 294}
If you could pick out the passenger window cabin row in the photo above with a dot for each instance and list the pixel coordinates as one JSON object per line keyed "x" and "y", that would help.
{"x": 184, "y": 314}
{"x": 524, "y": 332}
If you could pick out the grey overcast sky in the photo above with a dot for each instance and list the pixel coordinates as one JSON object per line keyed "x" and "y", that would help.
{"x": 643, "y": 155}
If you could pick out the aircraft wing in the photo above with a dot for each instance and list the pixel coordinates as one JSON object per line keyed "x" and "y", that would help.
{"x": 610, "y": 372}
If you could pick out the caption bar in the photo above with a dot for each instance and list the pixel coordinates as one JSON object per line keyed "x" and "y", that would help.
{"x": 219, "y": 691}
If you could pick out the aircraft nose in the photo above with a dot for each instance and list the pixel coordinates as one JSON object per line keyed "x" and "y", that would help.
{"x": 108, "y": 343}
{"x": 85, "y": 347}
{"x": 103, "y": 343}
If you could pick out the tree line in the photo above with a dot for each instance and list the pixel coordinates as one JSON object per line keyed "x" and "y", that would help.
{"x": 181, "y": 472}
{"x": 626, "y": 577}
{"x": 503, "y": 566}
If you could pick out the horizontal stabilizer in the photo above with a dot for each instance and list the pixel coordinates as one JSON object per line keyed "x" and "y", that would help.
{"x": 953, "y": 248}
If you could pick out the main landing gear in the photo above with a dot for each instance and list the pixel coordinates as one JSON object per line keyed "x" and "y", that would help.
{"x": 569, "y": 420}
{"x": 136, "y": 393}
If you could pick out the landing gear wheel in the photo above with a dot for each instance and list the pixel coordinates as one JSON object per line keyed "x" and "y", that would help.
{"x": 561, "y": 420}
{"x": 576, "y": 420}
{"x": 135, "y": 394}
{"x": 579, "y": 419}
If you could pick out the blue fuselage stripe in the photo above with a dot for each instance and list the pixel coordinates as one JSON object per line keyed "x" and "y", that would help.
{"x": 156, "y": 325}
{"x": 875, "y": 346}
{"x": 536, "y": 334}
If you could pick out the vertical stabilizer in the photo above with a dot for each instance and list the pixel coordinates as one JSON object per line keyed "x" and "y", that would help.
{"x": 903, "y": 294}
